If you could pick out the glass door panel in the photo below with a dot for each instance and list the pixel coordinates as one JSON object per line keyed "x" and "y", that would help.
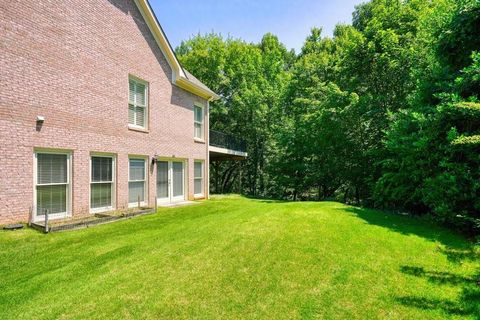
{"x": 177, "y": 180}
{"x": 162, "y": 180}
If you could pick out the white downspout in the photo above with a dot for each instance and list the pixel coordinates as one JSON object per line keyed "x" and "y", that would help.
{"x": 207, "y": 166}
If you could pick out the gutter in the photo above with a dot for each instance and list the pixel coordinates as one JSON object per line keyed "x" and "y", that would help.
{"x": 179, "y": 77}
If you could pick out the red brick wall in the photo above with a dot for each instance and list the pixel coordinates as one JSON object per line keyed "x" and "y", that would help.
{"x": 69, "y": 61}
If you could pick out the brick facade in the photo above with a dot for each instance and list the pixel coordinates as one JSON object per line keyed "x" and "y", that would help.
{"x": 70, "y": 61}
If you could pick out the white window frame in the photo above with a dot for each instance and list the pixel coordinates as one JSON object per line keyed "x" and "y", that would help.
{"x": 135, "y": 105}
{"x": 202, "y": 178}
{"x": 60, "y": 215}
{"x": 113, "y": 182}
{"x": 145, "y": 184}
{"x": 202, "y": 123}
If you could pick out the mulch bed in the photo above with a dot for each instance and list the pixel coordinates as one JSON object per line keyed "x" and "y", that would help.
{"x": 85, "y": 222}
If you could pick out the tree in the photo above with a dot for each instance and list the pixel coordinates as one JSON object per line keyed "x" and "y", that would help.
{"x": 385, "y": 113}
{"x": 251, "y": 80}
{"x": 433, "y": 146}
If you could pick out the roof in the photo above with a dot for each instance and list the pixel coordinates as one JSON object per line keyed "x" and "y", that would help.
{"x": 180, "y": 77}
{"x": 193, "y": 79}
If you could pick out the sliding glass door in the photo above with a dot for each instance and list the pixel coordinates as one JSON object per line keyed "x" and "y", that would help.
{"x": 170, "y": 181}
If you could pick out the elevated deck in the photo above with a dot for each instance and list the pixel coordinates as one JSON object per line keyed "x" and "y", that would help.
{"x": 226, "y": 147}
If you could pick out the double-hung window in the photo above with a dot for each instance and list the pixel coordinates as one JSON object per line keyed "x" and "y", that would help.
{"x": 136, "y": 181}
{"x": 137, "y": 103}
{"x": 198, "y": 177}
{"x": 102, "y": 188}
{"x": 52, "y": 184}
{"x": 198, "y": 121}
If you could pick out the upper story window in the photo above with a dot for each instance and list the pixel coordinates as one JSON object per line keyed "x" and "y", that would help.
{"x": 137, "y": 103}
{"x": 198, "y": 121}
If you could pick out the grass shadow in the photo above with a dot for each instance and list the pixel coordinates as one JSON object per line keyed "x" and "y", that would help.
{"x": 456, "y": 248}
{"x": 273, "y": 201}
{"x": 438, "y": 277}
{"x": 461, "y": 255}
{"x": 449, "y": 307}
{"x": 267, "y": 200}
{"x": 467, "y": 303}
{"x": 456, "y": 244}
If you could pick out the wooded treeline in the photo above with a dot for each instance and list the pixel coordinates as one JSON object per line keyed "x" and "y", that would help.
{"x": 384, "y": 114}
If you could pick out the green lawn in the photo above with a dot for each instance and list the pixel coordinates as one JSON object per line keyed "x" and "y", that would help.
{"x": 233, "y": 257}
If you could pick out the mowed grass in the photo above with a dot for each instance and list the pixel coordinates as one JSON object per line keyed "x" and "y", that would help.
{"x": 238, "y": 258}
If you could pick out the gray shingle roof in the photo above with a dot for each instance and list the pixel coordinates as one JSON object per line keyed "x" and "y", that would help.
{"x": 193, "y": 79}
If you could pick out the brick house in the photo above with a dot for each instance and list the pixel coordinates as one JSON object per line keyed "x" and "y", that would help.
{"x": 96, "y": 112}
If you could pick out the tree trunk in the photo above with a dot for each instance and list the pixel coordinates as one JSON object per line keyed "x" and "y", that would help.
{"x": 215, "y": 175}
{"x": 228, "y": 175}
{"x": 325, "y": 191}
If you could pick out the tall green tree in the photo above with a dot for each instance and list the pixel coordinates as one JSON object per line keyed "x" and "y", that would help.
{"x": 384, "y": 113}
{"x": 433, "y": 147}
{"x": 251, "y": 80}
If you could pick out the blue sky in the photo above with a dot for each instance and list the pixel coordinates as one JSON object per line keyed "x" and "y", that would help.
{"x": 290, "y": 20}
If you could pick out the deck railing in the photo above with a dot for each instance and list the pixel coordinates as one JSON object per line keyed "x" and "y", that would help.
{"x": 227, "y": 141}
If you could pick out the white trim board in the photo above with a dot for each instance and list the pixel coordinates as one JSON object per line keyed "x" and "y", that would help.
{"x": 227, "y": 151}
{"x": 179, "y": 76}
